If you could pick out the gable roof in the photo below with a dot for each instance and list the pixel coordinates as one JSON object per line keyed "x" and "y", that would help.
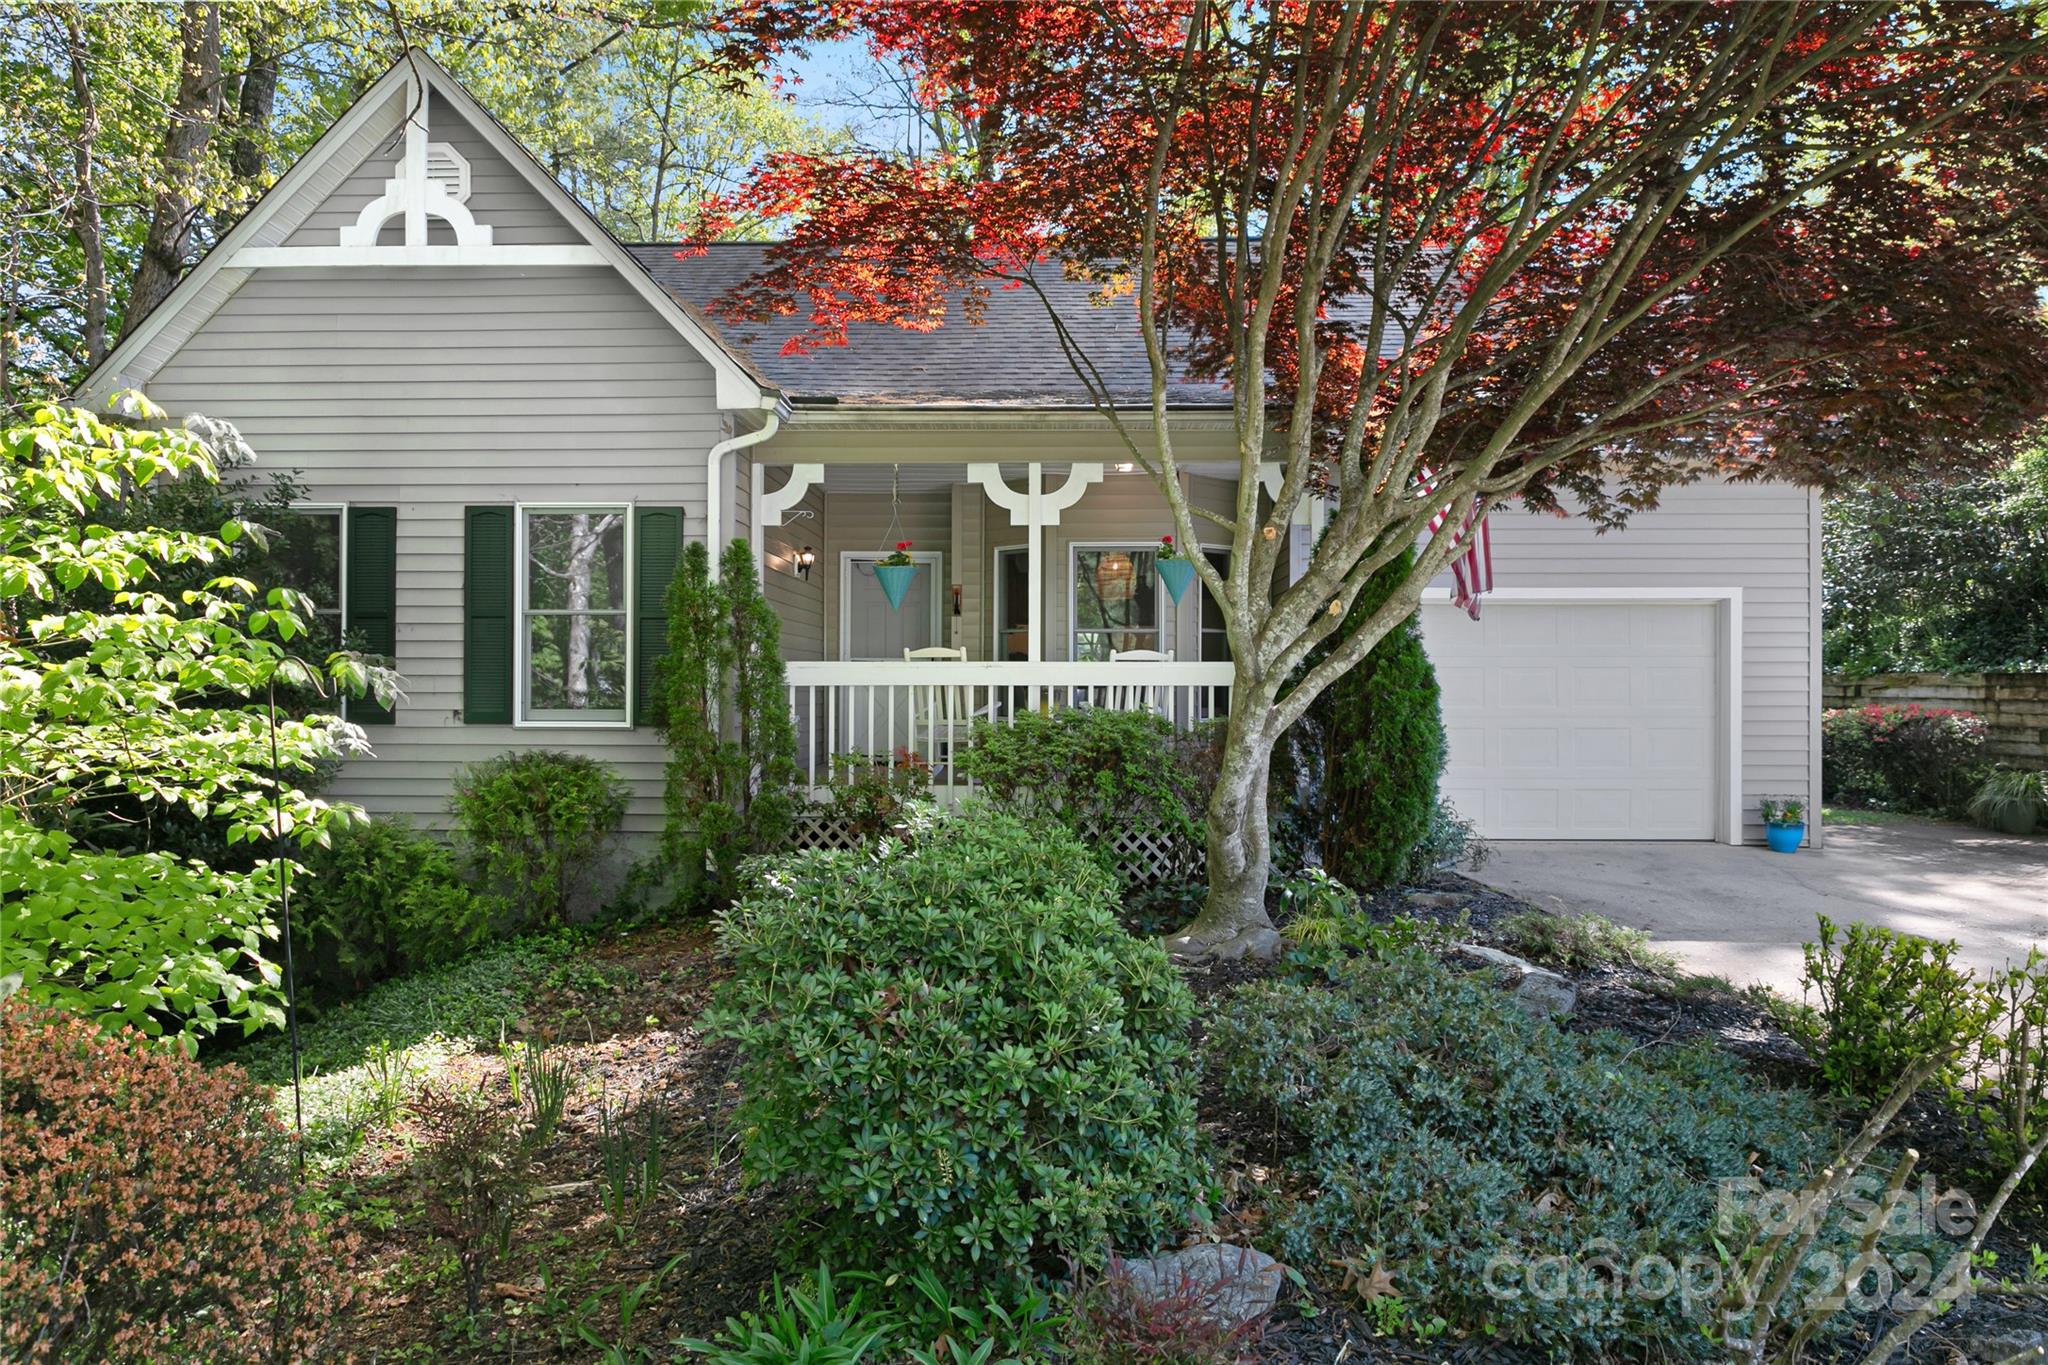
{"x": 380, "y": 111}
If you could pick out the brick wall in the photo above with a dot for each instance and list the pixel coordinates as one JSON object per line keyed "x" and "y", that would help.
{"x": 2013, "y": 705}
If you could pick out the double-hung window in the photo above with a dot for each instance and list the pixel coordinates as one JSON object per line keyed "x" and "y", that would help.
{"x": 312, "y": 558}
{"x": 575, "y": 646}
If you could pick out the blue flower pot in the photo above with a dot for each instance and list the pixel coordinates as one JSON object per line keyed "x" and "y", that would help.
{"x": 895, "y": 581}
{"x": 1176, "y": 574}
{"x": 1785, "y": 838}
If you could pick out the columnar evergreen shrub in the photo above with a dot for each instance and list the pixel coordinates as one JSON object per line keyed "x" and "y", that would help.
{"x": 381, "y": 899}
{"x": 1911, "y": 757}
{"x": 1093, "y": 770}
{"x": 1445, "y": 1128}
{"x": 957, "y": 1049}
{"x": 148, "y": 1206}
{"x": 721, "y": 698}
{"x": 1379, "y": 731}
{"x": 534, "y": 824}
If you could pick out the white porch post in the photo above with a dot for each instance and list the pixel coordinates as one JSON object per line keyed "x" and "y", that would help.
{"x": 1034, "y": 596}
{"x": 1035, "y": 509}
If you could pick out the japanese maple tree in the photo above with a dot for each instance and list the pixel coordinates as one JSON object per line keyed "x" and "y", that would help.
{"x": 1444, "y": 256}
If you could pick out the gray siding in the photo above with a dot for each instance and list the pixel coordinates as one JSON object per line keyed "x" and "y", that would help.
{"x": 433, "y": 390}
{"x": 1761, "y": 538}
{"x": 498, "y": 194}
{"x": 799, "y": 602}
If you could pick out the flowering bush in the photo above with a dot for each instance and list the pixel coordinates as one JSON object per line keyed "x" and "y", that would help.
{"x": 149, "y": 1209}
{"x": 1911, "y": 757}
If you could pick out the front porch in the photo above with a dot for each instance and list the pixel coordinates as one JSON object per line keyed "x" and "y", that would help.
{"x": 1037, "y": 588}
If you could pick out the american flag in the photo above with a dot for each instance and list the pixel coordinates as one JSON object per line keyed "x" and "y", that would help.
{"x": 1472, "y": 569}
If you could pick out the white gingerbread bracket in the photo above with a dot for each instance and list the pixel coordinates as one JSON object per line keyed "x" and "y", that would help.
{"x": 420, "y": 190}
{"x": 770, "y": 508}
{"x": 1049, "y": 505}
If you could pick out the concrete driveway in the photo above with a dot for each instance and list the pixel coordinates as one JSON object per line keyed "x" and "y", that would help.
{"x": 1742, "y": 913}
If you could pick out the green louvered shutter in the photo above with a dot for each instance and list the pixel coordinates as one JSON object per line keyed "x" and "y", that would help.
{"x": 657, "y": 545}
{"x": 487, "y": 616}
{"x": 372, "y": 596}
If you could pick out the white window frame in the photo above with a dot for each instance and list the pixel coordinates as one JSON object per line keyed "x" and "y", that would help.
{"x": 1162, "y": 605}
{"x": 522, "y": 641}
{"x": 340, "y": 509}
{"x": 995, "y": 630}
{"x": 1206, "y": 548}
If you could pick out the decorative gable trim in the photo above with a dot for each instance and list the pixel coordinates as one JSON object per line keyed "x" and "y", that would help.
{"x": 398, "y": 98}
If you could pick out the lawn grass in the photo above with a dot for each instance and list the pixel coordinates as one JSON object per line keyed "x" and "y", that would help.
{"x": 1856, "y": 815}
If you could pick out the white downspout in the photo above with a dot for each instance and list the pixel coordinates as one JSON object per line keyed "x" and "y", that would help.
{"x": 714, "y": 470}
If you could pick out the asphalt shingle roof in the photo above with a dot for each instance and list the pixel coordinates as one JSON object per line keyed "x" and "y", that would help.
{"x": 1011, "y": 359}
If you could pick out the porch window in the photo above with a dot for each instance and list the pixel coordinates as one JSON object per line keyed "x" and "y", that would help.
{"x": 310, "y": 559}
{"x": 575, "y": 649}
{"x": 1215, "y": 634}
{"x": 1115, "y": 600}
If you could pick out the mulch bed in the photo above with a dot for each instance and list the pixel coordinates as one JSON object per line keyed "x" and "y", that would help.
{"x": 628, "y": 1018}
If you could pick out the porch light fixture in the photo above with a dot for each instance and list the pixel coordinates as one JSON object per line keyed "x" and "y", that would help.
{"x": 803, "y": 560}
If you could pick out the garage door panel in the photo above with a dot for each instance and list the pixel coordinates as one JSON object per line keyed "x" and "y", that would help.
{"x": 1581, "y": 720}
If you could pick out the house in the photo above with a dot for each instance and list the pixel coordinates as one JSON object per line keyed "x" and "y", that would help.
{"x": 506, "y": 423}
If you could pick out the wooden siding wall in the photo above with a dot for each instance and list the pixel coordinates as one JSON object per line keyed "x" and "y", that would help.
{"x": 1762, "y": 538}
{"x": 859, "y": 523}
{"x": 799, "y": 602}
{"x": 431, "y": 390}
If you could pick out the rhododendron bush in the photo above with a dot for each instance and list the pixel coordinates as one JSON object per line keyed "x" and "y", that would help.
{"x": 1910, "y": 757}
{"x": 1446, "y": 256}
{"x": 109, "y": 688}
{"x": 148, "y": 1206}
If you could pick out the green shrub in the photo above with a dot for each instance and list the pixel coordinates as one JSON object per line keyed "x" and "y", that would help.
{"x": 2012, "y": 799}
{"x": 1093, "y": 770}
{"x": 1886, "y": 1000}
{"x": 1445, "y": 1127}
{"x": 535, "y": 823}
{"x": 1447, "y": 841}
{"x": 801, "y": 1324}
{"x": 1911, "y": 758}
{"x": 1379, "y": 733}
{"x": 721, "y": 699}
{"x": 1582, "y": 943}
{"x": 380, "y": 900}
{"x": 149, "y": 1209}
{"x": 959, "y": 1051}
{"x": 2010, "y": 1071}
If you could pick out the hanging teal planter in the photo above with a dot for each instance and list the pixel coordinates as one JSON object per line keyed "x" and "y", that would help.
{"x": 895, "y": 581}
{"x": 1176, "y": 574}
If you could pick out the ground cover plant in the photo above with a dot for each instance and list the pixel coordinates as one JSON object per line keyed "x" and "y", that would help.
{"x": 957, "y": 1051}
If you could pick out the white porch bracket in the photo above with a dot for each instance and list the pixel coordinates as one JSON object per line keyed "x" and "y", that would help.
{"x": 1036, "y": 509}
{"x": 770, "y": 508}
{"x": 1312, "y": 511}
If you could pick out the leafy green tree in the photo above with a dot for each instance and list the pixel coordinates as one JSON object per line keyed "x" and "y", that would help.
{"x": 722, "y": 701}
{"x": 1379, "y": 735}
{"x": 1940, "y": 577}
{"x": 158, "y": 697}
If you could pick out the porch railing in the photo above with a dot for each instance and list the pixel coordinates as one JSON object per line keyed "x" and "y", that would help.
{"x": 892, "y": 712}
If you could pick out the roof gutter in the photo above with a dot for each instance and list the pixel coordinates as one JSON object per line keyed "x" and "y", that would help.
{"x": 776, "y": 408}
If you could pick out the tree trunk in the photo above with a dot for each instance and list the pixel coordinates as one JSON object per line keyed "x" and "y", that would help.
{"x": 254, "y": 105}
{"x": 176, "y": 206}
{"x": 85, "y": 194}
{"x": 1233, "y": 922}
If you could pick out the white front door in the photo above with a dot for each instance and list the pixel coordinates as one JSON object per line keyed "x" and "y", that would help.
{"x": 877, "y": 720}
{"x": 1589, "y": 720}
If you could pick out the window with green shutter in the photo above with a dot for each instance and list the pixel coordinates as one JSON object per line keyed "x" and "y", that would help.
{"x": 657, "y": 545}
{"x": 371, "y": 614}
{"x": 487, "y": 611}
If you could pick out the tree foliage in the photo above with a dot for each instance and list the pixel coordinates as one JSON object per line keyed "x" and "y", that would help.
{"x": 1940, "y": 577}
{"x": 722, "y": 700}
{"x": 1450, "y": 255}
{"x": 156, "y": 697}
{"x": 136, "y": 134}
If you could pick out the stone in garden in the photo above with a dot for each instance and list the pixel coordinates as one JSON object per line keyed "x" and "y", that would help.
{"x": 1546, "y": 993}
{"x": 1995, "y": 1343}
{"x": 1496, "y": 957}
{"x": 1437, "y": 900}
{"x": 1234, "y": 1285}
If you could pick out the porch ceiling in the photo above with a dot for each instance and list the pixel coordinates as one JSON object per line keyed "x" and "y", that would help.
{"x": 926, "y": 478}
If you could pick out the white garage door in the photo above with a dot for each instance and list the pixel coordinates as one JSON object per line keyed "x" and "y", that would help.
{"x": 1581, "y": 721}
